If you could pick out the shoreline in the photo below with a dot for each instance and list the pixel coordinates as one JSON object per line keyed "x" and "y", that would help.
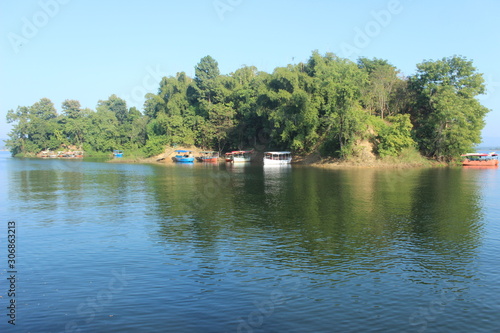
{"x": 313, "y": 161}
{"x": 322, "y": 164}
{"x": 327, "y": 165}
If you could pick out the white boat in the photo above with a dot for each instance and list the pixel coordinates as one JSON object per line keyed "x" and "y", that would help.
{"x": 241, "y": 156}
{"x": 277, "y": 157}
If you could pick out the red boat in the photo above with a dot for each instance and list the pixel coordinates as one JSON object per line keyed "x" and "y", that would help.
{"x": 480, "y": 159}
{"x": 208, "y": 156}
{"x": 229, "y": 157}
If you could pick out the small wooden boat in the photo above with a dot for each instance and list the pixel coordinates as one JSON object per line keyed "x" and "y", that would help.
{"x": 241, "y": 156}
{"x": 480, "y": 159}
{"x": 228, "y": 157}
{"x": 44, "y": 154}
{"x": 183, "y": 156}
{"x": 277, "y": 157}
{"x": 117, "y": 153}
{"x": 208, "y": 156}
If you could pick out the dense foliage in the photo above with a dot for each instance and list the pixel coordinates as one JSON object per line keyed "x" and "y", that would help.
{"x": 326, "y": 105}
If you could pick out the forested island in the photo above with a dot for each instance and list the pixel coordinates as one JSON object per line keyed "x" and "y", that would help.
{"x": 325, "y": 106}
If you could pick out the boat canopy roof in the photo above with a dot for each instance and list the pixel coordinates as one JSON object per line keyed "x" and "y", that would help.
{"x": 183, "y": 151}
{"x": 479, "y": 154}
{"x": 277, "y": 152}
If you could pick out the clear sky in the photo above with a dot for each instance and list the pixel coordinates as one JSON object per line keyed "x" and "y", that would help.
{"x": 89, "y": 49}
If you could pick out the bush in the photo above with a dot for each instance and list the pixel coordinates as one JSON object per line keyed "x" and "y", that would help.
{"x": 394, "y": 135}
{"x": 155, "y": 145}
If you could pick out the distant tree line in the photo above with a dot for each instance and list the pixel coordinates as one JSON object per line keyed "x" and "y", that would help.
{"x": 326, "y": 105}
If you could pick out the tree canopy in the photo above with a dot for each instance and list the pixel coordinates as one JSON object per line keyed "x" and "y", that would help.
{"x": 325, "y": 105}
{"x": 448, "y": 118}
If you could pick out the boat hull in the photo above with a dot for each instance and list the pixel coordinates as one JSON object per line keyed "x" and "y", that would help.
{"x": 468, "y": 162}
{"x": 277, "y": 162}
{"x": 184, "y": 159}
{"x": 241, "y": 159}
{"x": 207, "y": 159}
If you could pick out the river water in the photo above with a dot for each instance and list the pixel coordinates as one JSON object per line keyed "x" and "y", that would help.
{"x": 103, "y": 247}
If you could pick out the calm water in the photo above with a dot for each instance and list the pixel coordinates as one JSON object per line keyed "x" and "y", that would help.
{"x": 141, "y": 248}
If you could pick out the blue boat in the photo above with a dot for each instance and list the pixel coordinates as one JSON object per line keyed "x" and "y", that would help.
{"x": 183, "y": 156}
{"x": 118, "y": 153}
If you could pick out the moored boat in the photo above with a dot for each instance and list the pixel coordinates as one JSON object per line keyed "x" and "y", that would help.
{"x": 480, "y": 159}
{"x": 183, "y": 156}
{"x": 66, "y": 154}
{"x": 277, "y": 157}
{"x": 208, "y": 156}
{"x": 241, "y": 156}
{"x": 44, "y": 154}
{"x": 117, "y": 153}
{"x": 228, "y": 157}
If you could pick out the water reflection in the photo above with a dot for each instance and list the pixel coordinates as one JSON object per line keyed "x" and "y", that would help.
{"x": 312, "y": 216}
{"x": 365, "y": 248}
{"x": 59, "y": 192}
{"x": 305, "y": 214}
{"x": 275, "y": 180}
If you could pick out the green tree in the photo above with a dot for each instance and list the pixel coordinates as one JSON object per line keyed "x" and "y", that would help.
{"x": 447, "y": 116}
{"x": 35, "y": 129}
{"x": 116, "y": 105}
{"x": 43, "y": 109}
{"x": 74, "y": 122}
{"x": 71, "y": 108}
{"x": 18, "y": 137}
{"x": 249, "y": 123}
{"x": 338, "y": 86}
{"x": 394, "y": 135}
{"x": 136, "y": 128}
{"x": 172, "y": 112}
{"x": 103, "y": 130}
{"x": 219, "y": 124}
{"x": 380, "y": 87}
{"x": 206, "y": 73}
{"x": 289, "y": 110}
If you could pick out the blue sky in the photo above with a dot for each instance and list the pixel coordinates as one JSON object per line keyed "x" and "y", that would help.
{"x": 88, "y": 50}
